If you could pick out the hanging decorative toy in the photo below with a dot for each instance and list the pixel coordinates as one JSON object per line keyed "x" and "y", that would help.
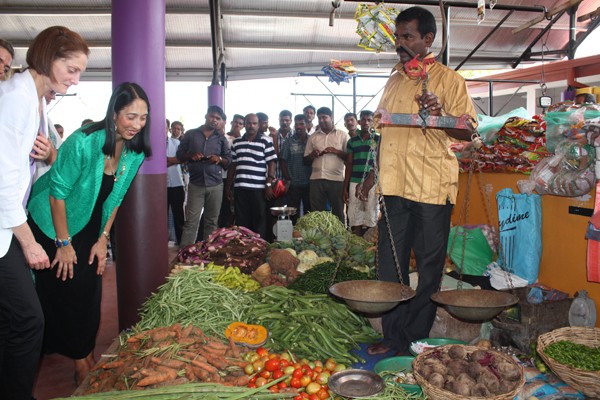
{"x": 376, "y": 26}
{"x": 339, "y": 71}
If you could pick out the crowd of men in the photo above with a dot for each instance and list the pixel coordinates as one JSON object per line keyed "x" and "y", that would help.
{"x": 217, "y": 178}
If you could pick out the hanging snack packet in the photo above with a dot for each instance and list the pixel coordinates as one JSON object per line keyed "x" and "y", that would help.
{"x": 375, "y": 26}
{"x": 480, "y": 11}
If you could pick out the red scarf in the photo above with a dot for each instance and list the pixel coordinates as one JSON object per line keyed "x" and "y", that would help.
{"x": 416, "y": 68}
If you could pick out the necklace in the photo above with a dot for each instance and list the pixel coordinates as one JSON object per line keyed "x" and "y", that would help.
{"x": 114, "y": 170}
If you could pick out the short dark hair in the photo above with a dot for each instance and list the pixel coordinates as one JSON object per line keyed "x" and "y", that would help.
{"x": 176, "y": 123}
{"x": 86, "y": 121}
{"x": 217, "y": 110}
{"x": 262, "y": 117}
{"x": 238, "y": 116}
{"x": 425, "y": 19}
{"x": 8, "y": 47}
{"x": 309, "y": 107}
{"x": 122, "y": 96}
{"x": 366, "y": 113}
{"x": 285, "y": 113}
{"x": 300, "y": 117}
{"x": 56, "y": 126}
{"x": 325, "y": 111}
{"x": 53, "y": 43}
{"x": 350, "y": 114}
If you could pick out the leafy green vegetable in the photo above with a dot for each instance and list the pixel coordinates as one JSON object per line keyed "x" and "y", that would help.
{"x": 319, "y": 278}
{"x": 575, "y": 355}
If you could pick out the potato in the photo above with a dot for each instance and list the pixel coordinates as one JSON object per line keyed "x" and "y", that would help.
{"x": 457, "y": 367}
{"x": 489, "y": 380}
{"x": 480, "y": 390}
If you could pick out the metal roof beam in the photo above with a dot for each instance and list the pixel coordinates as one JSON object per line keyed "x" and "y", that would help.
{"x": 462, "y": 4}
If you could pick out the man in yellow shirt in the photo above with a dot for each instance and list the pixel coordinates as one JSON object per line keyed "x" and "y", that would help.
{"x": 418, "y": 175}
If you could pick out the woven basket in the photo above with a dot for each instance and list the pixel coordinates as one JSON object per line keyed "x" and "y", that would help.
{"x": 435, "y": 393}
{"x": 587, "y": 382}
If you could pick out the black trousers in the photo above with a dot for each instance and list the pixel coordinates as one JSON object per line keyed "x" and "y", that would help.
{"x": 424, "y": 228}
{"x": 21, "y": 326}
{"x": 296, "y": 195}
{"x": 250, "y": 209}
{"x": 175, "y": 200}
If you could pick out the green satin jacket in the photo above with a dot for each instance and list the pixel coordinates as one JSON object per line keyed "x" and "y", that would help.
{"x": 75, "y": 177}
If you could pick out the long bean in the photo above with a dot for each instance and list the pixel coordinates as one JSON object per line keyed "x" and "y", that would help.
{"x": 191, "y": 391}
{"x": 191, "y": 297}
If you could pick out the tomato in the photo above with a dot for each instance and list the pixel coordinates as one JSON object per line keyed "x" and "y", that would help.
{"x": 318, "y": 363}
{"x": 251, "y": 385}
{"x": 265, "y": 358}
{"x": 295, "y": 383}
{"x": 277, "y": 374}
{"x": 258, "y": 365}
{"x": 282, "y": 385}
{"x": 254, "y": 378}
{"x": 249, "y": 369}
{"x": 313, "y": 388}
{"x": 253, "y": 357}
{"x": 297, "y": 373}
{"x": 339, "y": 367}
{"x": 283, "y": 362}
{"x": 306, "y": 369}
{"x": 313, "y": 397}
{"x": 273, "y": 355}
{"x": 274, "y": 389}
{"x": 285, "y": 356}
{"x": 305, "y": 380}
{"x": 317, "y": 369}
{"x": 304, "y": 361}
{"x": 261, "y": 351}
{"x": 265, "y": 374}
{"x": 261, "y": 382}
{"x": 330, "y": 364}
{"x": 304, "y": 395}
{"x": 323, "y": 394}
{"x": 322, "y": 378}
{"x": 289, "y": 370}
{"x": 272, "y": 364}
{"x": 298, "y": 397}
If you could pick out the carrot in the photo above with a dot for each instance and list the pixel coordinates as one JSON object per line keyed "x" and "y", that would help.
{"x": 189, "y": 373}
{"x": 236, "y": 380}
{"x": 113, "y": 364}
{"x": 175, "y": 364}
{"x": 235, "y": 353}
{"x": 201, "y": 373}
{"x": 205, "y": 365}
{"x": 161, "y": 335}
{"x": 186, "y": 341}
{"x": 215, "y": 345}
{"x": 216, "y": 360}
{"x": 178, "y": 381}
{"x": 185, "y": 332}
{"x": 158, "y": 377}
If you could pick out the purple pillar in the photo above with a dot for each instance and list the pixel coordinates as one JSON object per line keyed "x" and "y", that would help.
{"x": 138, "y": 55}
{"x": 216, "y": 96}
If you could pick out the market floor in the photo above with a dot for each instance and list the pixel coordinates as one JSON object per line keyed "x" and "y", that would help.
{"x": 55, "y": 374}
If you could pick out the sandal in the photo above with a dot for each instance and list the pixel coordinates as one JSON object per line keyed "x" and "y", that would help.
{"x": 378, "y": 348}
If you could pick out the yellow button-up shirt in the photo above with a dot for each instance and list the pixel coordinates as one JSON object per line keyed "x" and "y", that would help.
{"x": 413, "y": 165}
{"x": 327, "y": 166}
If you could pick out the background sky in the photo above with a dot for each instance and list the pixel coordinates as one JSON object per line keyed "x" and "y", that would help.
{"x": 188, "y": 101}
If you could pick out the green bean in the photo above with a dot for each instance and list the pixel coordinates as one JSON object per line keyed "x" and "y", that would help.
{"x": 575, "y": 355}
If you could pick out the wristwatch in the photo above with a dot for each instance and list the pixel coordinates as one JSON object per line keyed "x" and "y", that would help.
{"x": 268, "y": 184}
{"x": 62, "y": 242}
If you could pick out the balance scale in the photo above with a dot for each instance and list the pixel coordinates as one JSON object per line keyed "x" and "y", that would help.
{"x": 283, "y": 228}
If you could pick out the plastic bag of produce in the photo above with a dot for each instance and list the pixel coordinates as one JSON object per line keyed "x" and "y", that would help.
{"x": 570, "y": 172}
{"x": 561, "y": 125}
{"x": 488, "y": 126}
{"x": 474, "y": 255}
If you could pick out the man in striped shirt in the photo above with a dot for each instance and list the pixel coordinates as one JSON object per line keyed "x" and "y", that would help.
{"x": 362, "y": 213}
{"x": 251, "y": 174}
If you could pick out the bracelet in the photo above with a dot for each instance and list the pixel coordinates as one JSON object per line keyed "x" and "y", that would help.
{"x": 62, "y": 242}
{"x": 106, "y": 235}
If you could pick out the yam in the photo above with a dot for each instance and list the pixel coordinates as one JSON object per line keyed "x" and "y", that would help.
{"x": 508, "y": 371}
{"x": 457, "y": 352}
{"x": 479, "y": 390}
{"x": 436, "y": 379}
{"x": 489, "y": 380}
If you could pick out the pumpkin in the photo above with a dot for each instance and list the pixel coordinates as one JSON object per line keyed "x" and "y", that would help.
{"x": 246, "y": 334}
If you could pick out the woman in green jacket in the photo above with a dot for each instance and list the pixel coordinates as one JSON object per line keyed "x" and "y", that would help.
{"x": 72, "y": 209}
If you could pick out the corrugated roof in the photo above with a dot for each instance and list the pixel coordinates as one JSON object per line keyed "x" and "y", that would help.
{"x": 263, "y": 38}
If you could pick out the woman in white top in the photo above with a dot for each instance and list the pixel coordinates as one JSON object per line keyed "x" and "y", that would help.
{"x": 55, "y": 60}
